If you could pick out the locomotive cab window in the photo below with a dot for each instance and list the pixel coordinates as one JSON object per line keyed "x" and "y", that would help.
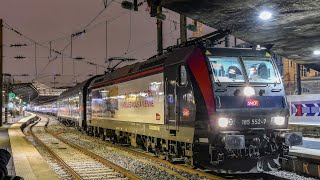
{"x": 260, "y": 70}
{"x": 182, "y": 75}
{"x": 226, "y": 69}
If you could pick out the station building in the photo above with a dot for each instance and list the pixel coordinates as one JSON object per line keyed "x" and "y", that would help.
{"x": 310, "y": 78}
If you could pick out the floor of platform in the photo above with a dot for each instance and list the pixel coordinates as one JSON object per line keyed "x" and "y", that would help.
{"x": 28, "y": 163}
{"x": 309, "y": 149}
{"x": 5, "y": 142}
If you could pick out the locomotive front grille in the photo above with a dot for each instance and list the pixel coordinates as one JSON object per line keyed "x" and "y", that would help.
{"x": 234, "y": 142}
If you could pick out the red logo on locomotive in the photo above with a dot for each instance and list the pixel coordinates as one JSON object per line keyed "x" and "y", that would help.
{"x": 252, "y": 103}
{"x": 158, "y": 117}
{"x": 185, "y": 112}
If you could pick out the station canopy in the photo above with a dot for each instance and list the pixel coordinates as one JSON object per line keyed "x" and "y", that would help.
{"x": 292, "y": 31}
{"x": 35, "y": 92}
{"x": 25, "y": 91}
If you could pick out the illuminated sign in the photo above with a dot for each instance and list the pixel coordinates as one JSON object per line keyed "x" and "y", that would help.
{"x": 252, "y": 103}
{"x": 185, "y": 112}
{"x": 12, "y": 95}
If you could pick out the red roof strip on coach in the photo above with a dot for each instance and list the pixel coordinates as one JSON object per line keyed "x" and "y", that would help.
{"x": 134, "y": 76}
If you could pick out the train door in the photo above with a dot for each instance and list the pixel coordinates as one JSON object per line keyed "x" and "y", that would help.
{"x": 170, "y": 75}
{"x": 177, "y": 90}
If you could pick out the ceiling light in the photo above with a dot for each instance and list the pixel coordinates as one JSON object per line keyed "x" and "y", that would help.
{"x": 265, "y": 15}
{"x": 316, "y": 52}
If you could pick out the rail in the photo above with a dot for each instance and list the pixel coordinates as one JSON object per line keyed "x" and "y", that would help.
{"x": 105, "y": 162}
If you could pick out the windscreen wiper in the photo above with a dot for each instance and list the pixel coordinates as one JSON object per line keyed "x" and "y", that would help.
{"x": 217, "y": 81}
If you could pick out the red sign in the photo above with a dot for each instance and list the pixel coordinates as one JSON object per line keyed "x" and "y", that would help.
{"x": 185, "y": 112}
{"x": 252, "y": 103}
{"x": 158, "y": 117}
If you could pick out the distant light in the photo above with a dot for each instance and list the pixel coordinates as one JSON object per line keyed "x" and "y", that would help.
{"x": 316, "y": 52}
{"x": 265, "y": 15}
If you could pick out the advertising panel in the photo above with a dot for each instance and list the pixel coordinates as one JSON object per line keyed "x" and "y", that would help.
{"x": 304, "y": 109}
{"x": 140, "y": 100}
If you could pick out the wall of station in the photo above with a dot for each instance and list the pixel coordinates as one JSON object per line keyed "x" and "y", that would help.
{"x": 304, "y": 109}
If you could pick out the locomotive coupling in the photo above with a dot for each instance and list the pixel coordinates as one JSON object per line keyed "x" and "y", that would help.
{"x": 293, "y": 139}
{"x": 234, "y": 142}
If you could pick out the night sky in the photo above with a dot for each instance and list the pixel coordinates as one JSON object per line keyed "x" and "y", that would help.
{"x": 55, "y": 21}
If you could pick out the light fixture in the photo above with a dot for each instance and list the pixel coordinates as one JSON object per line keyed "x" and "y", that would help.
{"x": 278, "y": 120}
{"x": 265, "y": 15}
{"x": 223, "y": 122}
{"x": 249, "y": 91}
{"x": 316, "y": 52}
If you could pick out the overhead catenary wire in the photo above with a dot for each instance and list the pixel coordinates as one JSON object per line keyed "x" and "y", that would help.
{"x": 86, "y": 26}
{"x": 84, "y": 30}
{"x": 127, "y": 50}
{"x": 32, "y": 41}
{"x": 65, "y": 37}
{"x": 98, "y": 25}
{"x": 7, "y": 26}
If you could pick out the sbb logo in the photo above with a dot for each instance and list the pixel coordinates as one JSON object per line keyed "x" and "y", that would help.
{"x": 252, "y": 103}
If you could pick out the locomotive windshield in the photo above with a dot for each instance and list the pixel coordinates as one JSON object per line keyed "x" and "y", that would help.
{"x": 229, "y": 69}
{"x": 260, "y": 70}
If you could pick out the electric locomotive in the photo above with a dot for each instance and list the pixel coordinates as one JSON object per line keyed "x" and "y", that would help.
{"x": 221, "y": 108}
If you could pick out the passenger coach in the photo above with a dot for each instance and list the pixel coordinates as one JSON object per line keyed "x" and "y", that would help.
{"x": 72, "y": 104}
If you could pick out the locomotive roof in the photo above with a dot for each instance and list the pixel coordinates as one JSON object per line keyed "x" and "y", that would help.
{"x": 132, "y": 69}
{"x": 76, "y": 89}
{"x": 216, "y": 51}
{"x": 176, "y": 55}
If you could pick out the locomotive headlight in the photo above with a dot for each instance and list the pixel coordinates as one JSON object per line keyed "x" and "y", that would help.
{"x": 278, "y": 120}
{"x": 223, "y": 122}
{"x": 249, "y": 91}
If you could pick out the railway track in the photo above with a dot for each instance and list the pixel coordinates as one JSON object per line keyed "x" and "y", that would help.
{"x": 178, "y": 171}
{"x": 185, "y": 168}
{"x": 180, "y": 167}
{"x": 154, "y": 164}
{"x": 77, "y": 161}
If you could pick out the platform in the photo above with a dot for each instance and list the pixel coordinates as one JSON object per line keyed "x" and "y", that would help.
{"x": 309, "y": 149}
{"x": 5, "y": 142}
{"x": 28, "y": 163}
{"x": 304, "y": 159}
